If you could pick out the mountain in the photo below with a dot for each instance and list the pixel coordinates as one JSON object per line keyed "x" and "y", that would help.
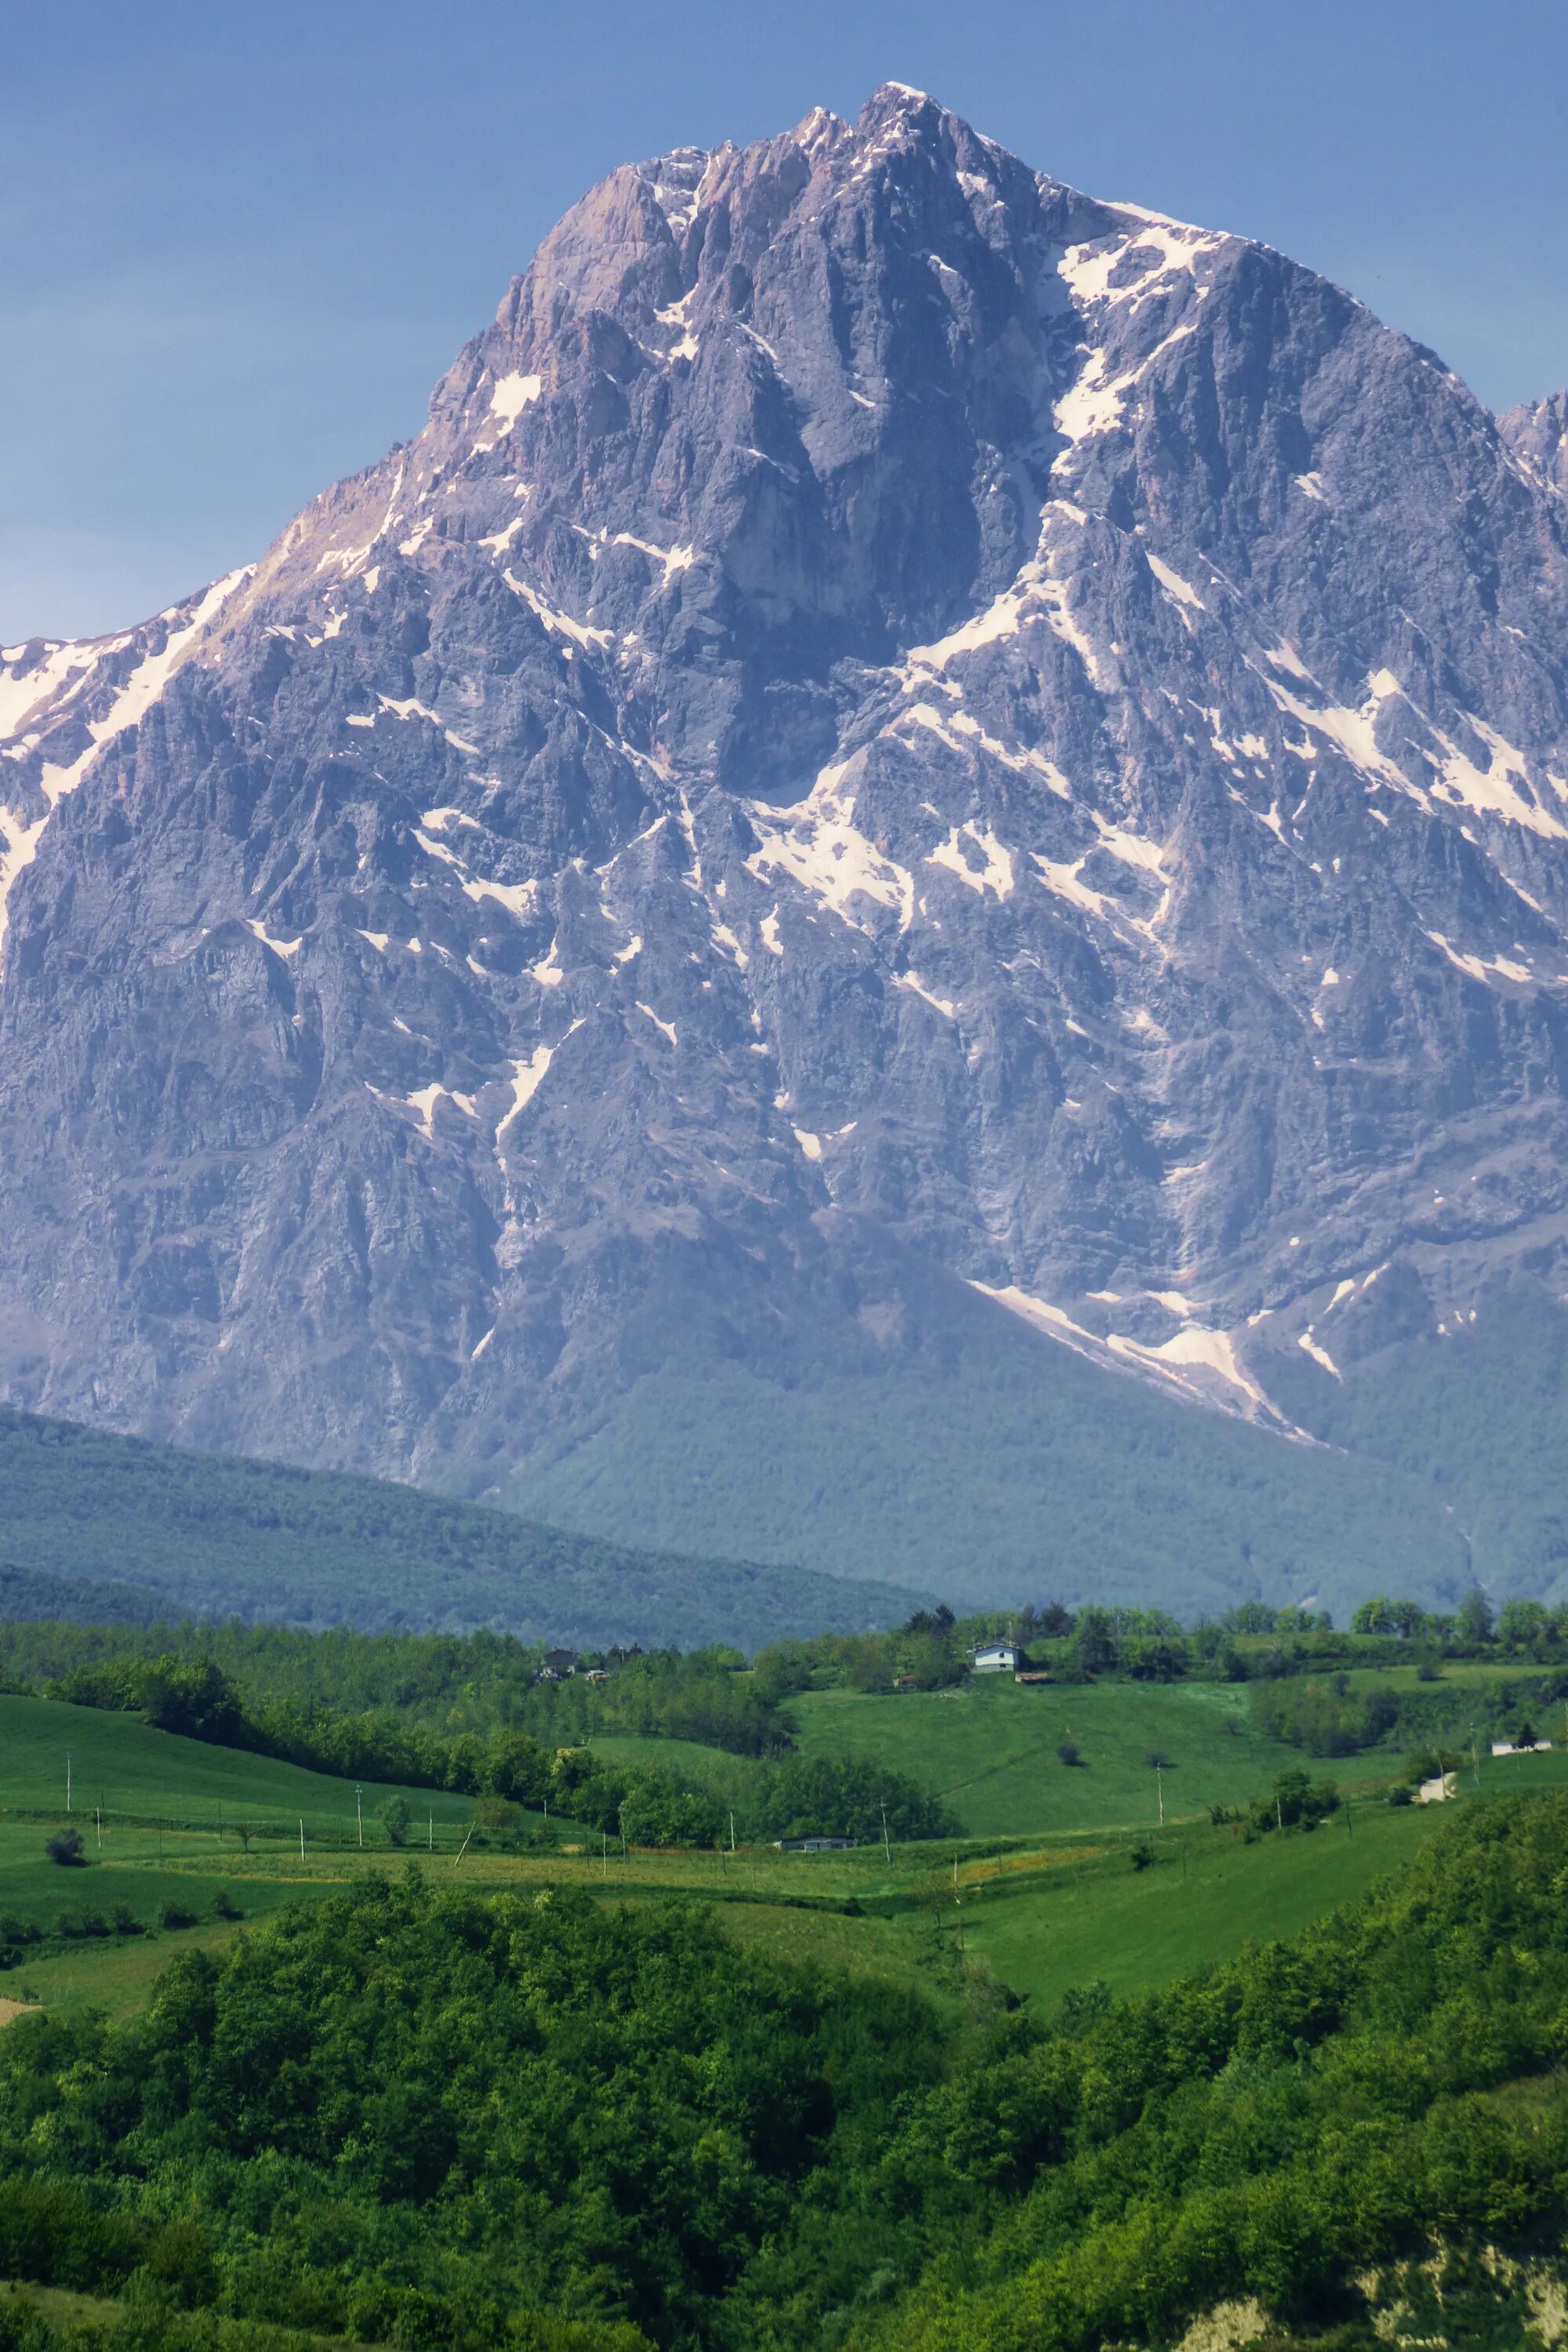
{"x": 898, "y": 899}
{"x": 104, "y": 1529}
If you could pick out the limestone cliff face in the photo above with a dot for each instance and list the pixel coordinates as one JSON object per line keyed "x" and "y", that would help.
{"x": 898, "y": 727}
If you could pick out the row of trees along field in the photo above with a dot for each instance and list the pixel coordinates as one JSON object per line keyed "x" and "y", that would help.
{"x": 787, "y": 1796}
{"x": 434, "y": 2118}
{"x": 485, "y": 1682}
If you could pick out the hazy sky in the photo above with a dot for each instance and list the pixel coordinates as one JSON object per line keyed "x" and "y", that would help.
{"x": 240, "y": 242}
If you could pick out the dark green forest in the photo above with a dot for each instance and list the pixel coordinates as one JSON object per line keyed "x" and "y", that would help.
{"x": 213, "y": 1532}
{"x": 436, "y": 2118}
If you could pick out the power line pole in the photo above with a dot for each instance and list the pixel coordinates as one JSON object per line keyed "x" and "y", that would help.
{"x": 1160, "y": 1785}
{"x": 67, "y": 1779}
{"x": 887, "y": 1849}
{"x": 301, "y": 1837}
{"x": 359, "y": 1810}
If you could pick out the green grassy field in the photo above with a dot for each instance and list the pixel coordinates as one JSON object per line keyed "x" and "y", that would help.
{"x": 119, "y": 1763}
{"x": 1056, "y": 1904}
{"x": 990, "y": 1749}
{"x": 1205, "y": 1895}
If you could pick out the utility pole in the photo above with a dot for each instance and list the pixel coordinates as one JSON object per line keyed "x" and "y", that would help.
{"x": 430, "y": 1831}
{"x": 67, "y": 1779}
{"x": 301, "y": 1837}
{"x": 99, "y": 1825}
{"x": 359, "y": 1812}
{"x": 731, "y": 1833}
{"x": 1160, "y": 1785}
{"x": 887, "y": 1849}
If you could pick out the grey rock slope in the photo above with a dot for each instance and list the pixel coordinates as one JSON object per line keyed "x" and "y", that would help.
{"x": 913, "y": 770}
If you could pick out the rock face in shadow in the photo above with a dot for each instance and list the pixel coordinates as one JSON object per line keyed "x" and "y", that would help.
{"x": 899, "y": 727}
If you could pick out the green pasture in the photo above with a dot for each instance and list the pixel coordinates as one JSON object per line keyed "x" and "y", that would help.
{"x": 1205, "y": 1895}
{"x": 120, "y": 1764}
{"x": 990, "y": 1747}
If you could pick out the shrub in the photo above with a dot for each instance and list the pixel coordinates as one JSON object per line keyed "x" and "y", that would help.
{"x": 124, "y": 1921}
{"x": 1142, "y": 1855}
{"x": 174, "y": 1915}
{"x": 1068, "y": 1752}
{"x": 224, "y": 1907}
{"x": 395, "y": 1816}
{"x": 66, "y": 1848}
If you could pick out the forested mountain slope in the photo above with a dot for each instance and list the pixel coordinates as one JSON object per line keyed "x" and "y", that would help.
{"x": 177, "y": 1532}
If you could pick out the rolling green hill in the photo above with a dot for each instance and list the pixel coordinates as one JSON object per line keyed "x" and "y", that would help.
{"x": 989, "y": 1748}
{"x": 119, "y": 1763}
{"x": 216, "y": 1534}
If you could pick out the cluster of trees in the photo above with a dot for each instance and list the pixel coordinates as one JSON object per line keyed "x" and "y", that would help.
{"x": 1329, "y": 1716}
{"x": 1519, "y": 1625}
{"x": 1326, "y": 1718}
{"x": 1296, "y": 1802}
{"x": 429, "y": 2118}
{"x": 448, "y": 1684}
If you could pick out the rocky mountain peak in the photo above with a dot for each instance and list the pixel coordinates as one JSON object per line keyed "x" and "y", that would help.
{"x": 907, "y": 755}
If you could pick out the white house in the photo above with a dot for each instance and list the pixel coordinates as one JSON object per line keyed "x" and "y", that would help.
{"x": 995, "y": 1657}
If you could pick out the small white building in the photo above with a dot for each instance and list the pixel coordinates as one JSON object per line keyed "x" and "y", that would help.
{"x": 995, "y": 1657}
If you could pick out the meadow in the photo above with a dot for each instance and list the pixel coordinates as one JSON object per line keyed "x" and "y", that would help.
{"x": 989, "y": 1747}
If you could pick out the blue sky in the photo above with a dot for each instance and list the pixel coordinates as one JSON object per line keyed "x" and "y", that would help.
{"x": 239, "y": 243}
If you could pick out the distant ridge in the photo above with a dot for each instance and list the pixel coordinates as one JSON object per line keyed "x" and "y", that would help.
{"x": 89, "y": 1520}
